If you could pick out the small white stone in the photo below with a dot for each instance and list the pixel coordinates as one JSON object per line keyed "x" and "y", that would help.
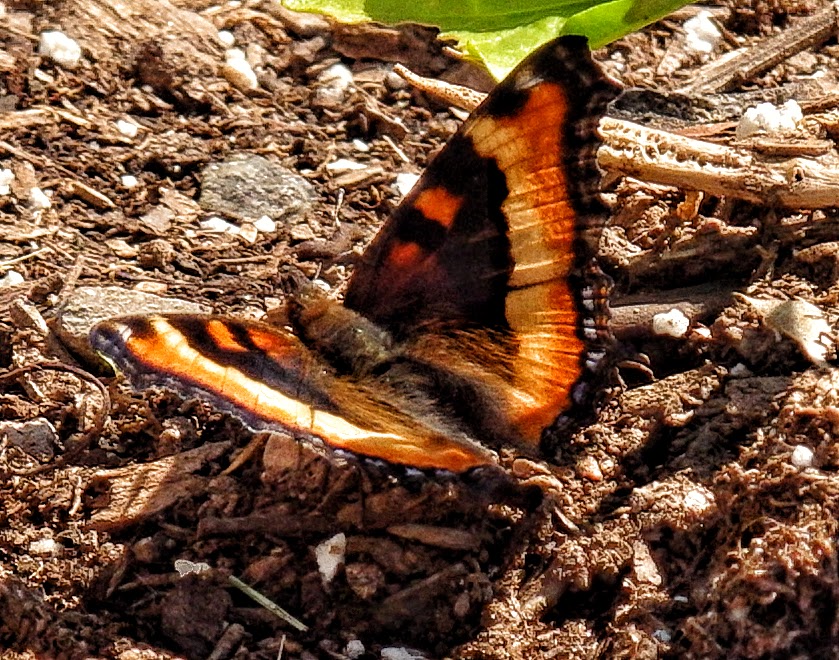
{"x": 330, "y": 556}
{"x": 770, "y": 118}
{"x": 405, "y": 182}
{"x": 127, "y": 128}
{"x": 60, "y": 48}
{"x": 345, "y": 165}
{"x": 129, "y": 181}
{"x": 753, "y": 119}
{"x": 671, "y": 324}
{"x": 802, "y": 456}
{"x": 248, "y": 232}
{"x": 6, "y": 179}
{"x": 360, "y": 145}
{"x": 185, "y": 567}
{"x": 354, "y": 649}
{"x": 337, "y": 76}
{"x": 39, "y": 199}
{"x": 11, "y": 278}
{"x": 265, "y": 225}
{"x": 662, "y": 635}
{"x": 45, "y": 547}
{"x": 701, "y": 332}
{"x": 333, "y": 86}
{"x": 216, "y": 225}
{"x": 238, "y": 71}
{"x": 227, "y": 38}
{"x": 792, "y": 114}
{"x": 698, "y": 500}
{"x": 701, "y": 33}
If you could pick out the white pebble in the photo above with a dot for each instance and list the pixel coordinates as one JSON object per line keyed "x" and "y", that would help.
{"x": 405, "y": 181}
{"x": 226, "y": 38}
{"x": 702, "y": 34}
{"x": 360, "y": 145}
{"x": 216, "y": 225}
{"x": 6, "y": 178}
{"x": 127, "y": 128}
{"x": 238, "y": 71}
{"x": 345, "y": 165}
{"x": 60, "y": 48}
{"x": 698, "y": 500}
{"x": 700, "y": 332}
{"x": 265, "y": 225}
{"x": 354, "y": 649}
{"x": 330, "y": 556}
{"x": 338, "y": 76}
{"x": 770, "y": 118}
{"x": 45, "y": 547}
{"x": 185, "y": 567}
{"x": 11, "y": 278}
{"x": 802, "y": 456}
{"x": 248, "y": 232}
{"x": 129, "y": 181}
{"x": 671, "y": 324}
{"x": 39, "y": 199}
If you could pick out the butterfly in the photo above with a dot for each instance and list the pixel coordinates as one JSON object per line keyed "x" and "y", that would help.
{"x": 469, "y": 324}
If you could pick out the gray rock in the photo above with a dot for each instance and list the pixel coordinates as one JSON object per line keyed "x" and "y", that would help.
{"x": 89, "y": 305}
{"x": 36, "y": 437}
{"x": 248, "y": 187}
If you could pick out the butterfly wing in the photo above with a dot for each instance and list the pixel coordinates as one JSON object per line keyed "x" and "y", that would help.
{"x": 492, "y": 242}
{"x": 477, "y": 276}
{"x": 270, "y": 379}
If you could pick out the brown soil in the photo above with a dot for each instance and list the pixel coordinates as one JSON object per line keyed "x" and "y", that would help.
{"x": 674, "y": 523}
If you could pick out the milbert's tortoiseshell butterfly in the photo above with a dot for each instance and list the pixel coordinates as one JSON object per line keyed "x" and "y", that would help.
{"x": 469, "y": 323}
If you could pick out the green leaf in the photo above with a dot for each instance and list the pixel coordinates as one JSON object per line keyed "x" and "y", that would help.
{"x": 503, "y": 32}
{"x": 448, "y": 15}
{"x": 607, "y": 21}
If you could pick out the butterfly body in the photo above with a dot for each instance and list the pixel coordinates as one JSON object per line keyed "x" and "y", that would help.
{"x": 468, "y": 322}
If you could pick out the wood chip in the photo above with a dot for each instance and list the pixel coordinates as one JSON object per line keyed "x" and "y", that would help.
{"x": 137, "y": 492}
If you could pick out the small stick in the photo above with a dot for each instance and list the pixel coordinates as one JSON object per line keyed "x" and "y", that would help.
{"x": 671, "y": 159}
{"x": 732, "y": 72}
